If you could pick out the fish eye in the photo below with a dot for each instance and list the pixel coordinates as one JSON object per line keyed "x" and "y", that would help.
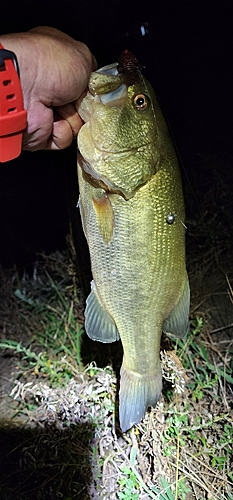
{"x": 140, "y": 101}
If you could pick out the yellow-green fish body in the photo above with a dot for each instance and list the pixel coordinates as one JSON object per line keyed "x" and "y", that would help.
{"x": 133, "y": 216}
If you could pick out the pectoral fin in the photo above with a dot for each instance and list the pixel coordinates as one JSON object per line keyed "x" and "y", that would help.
{"x": 98, "y": 324}
{"x": 105, "y": 216}
{"x": 177, "y": 323}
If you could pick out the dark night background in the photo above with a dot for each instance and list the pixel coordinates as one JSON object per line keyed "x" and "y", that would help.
{"x": 187, "y": 51}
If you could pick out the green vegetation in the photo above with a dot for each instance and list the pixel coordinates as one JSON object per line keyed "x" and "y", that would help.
{"x": 173, "y": 454}
{"x": 189, "y": 423}
{"x": 194, "y": 349}
{"x": 58, "y": 334}
{"x": 129, "y": 485}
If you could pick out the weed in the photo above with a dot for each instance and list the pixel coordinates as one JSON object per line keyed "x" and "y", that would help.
{"x": 194, "y": 353}
{"x": 129, "y": 485}
{"x": 166, "y": 493}
{"x": 58, "y": 333}
{"x": 183, "y": 432}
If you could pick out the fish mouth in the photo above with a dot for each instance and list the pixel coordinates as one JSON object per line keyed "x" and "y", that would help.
{"x": 113, "y": 98}
{"x": 105, "y": 80}
{"x": 107, "y": 87}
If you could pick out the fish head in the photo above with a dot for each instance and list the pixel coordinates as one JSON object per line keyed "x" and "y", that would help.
{"x": 120, "y": 142}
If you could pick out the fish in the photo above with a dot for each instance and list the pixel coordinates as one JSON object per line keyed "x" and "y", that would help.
{"x": 132, "y": 211}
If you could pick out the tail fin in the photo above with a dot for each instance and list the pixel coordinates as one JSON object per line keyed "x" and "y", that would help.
{"x": 137, "y": 392}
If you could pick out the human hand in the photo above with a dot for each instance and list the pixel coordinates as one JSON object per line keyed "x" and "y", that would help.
{"x": 54, "y": 72}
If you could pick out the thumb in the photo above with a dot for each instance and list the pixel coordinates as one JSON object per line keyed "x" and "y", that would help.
{"x": 66, "y": 126}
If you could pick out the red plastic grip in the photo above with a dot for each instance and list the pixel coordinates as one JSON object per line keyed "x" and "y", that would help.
{"x": 13, "y": 117}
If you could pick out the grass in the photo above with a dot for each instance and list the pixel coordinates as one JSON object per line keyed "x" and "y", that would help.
{"x": 58, "y": 334}
{"x": 194, "y": 349}
{"x": 208, "y": 435}
{"x": 182, "y": 450}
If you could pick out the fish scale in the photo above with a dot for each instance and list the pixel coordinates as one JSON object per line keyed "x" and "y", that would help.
{"x": 138, "y": 260}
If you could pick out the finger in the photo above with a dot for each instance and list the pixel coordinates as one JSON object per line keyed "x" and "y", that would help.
{"x": 62, "y": 136}
{"x": 69, "y": 113}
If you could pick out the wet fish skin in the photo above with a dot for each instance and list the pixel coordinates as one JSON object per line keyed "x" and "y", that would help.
{"x": 129, "y": 184}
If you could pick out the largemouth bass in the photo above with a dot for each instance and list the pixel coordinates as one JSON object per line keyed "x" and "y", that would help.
{"x": 132, "y": 212}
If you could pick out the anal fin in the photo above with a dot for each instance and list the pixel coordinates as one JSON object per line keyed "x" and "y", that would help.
{"x": 177, "y": 323}
{"x": 98, "y": 324}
